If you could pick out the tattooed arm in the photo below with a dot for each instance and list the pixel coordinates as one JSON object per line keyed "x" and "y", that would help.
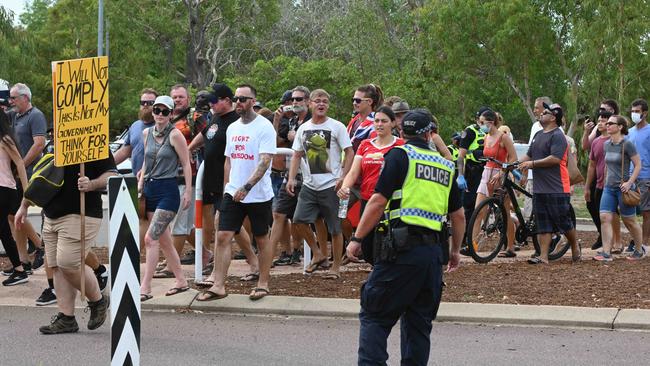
{"x": 260, "y": 170}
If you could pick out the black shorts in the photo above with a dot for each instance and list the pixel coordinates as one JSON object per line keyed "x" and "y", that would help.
{"x": 232, "y": 214}
{"x": 284, "y": 203}
{"x": 212, "y": 198}
{"x": 552, "y": 212}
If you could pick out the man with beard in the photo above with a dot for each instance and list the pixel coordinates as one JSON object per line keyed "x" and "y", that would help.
{"x": 133, "y": 146}
{"x": 213, "y": 140}
{"x": 250, "y": 146}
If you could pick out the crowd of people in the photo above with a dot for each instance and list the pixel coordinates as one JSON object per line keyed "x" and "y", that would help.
{"x": 273, "y": 179}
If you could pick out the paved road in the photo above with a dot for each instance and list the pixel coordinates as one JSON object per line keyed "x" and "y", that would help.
{"x": 212, "y": 339}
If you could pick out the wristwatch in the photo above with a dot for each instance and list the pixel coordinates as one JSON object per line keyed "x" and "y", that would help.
{"x": 354, "y": 238}
{"x": 248, "y": 187}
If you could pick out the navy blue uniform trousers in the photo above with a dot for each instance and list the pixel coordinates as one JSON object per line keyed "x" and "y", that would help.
{"x": 410, "y": 288}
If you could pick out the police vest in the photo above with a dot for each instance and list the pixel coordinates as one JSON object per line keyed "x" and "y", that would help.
{"x": 423, "y": 199}
{"x": 454, "y": 152}
{"x": 477, "y": 144}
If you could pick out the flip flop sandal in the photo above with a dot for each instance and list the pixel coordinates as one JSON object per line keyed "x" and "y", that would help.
{"x": 536, "y": 260}
{"x": 160, "y": 266}
{"x": 163, "y": 274}
{"x": 258, "y": 293}
{"x": 507, "y": 254}
{"x": 206, "y": 283}
{"x": 176, "y": 291}
{"x": 210, "y": 296}
{"x": 145, "y": 297}
{"x": 331, "y": 276}
{"x": 314, "y": 266}
{"x": 253, "y": 276}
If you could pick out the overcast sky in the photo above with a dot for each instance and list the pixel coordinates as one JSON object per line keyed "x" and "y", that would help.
{"x": 17, "y": 6}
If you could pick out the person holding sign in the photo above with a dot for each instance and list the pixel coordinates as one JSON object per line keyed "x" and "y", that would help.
{"x": 164, "y": 149}
{"x": 61, "y": 235}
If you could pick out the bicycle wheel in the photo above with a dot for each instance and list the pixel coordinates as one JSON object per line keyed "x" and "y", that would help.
{"x": 489, "y": 218}
{"x": 559, "y": 244}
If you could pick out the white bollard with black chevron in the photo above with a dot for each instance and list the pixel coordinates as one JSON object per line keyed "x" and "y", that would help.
{"x": 125, "y": 270}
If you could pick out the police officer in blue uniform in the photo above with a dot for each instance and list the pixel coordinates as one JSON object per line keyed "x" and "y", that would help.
{"x": 414, "y": 193}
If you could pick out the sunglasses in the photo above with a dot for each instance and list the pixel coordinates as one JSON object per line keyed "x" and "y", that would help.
{"x": 359, "y": 100}
{"x": 241, "y": 99}
{"x": 165, "y": 112}
{"x": 297, "y": 99}
{"x": 146, "y": 103}
{"x": 611, "y": 123}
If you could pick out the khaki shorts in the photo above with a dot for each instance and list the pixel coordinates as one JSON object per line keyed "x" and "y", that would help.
{"x": 183, "y": 222}
{"x": 644, "y": 189}
{"x": 62, "y": 239}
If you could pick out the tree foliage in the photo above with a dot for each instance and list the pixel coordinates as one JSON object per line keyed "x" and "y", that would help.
{"x": 450, "y": 56}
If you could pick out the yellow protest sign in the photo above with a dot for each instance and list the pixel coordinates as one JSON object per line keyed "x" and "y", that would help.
{"x": 80, "y": 103}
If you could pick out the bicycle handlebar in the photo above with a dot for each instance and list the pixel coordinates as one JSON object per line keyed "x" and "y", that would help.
{"x": 504, "y": 165}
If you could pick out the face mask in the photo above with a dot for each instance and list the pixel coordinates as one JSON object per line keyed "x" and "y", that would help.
{"x": 485, "y": 128}
{"x": 636, "y": 117}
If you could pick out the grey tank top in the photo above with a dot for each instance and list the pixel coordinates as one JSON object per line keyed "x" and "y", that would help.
{"x": 161, "y": 160}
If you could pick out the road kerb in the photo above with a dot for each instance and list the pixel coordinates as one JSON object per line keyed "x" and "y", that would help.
{"x": 638, "y": 319}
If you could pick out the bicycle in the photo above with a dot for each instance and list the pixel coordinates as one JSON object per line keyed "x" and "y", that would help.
{"x": 492, "y": 235}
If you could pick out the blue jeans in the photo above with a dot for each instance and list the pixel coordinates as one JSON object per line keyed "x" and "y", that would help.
{"x": 411, "y": 289}
{"x": 612, "y": 199}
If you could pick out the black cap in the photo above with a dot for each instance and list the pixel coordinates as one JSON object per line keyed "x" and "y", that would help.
{"x": 286, "y": 96}
{"x": 455, "y": 136}
{"x": 416, "y": 122}
{"x": 222, "y": 91}
{"x": 481, "y": 110}
{"x": 556, "y": 109}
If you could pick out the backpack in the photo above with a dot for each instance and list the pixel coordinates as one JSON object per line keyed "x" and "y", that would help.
{"x": 45, "y": 183}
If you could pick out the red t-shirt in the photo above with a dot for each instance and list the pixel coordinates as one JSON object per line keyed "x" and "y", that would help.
{"x": 372, "y": 159}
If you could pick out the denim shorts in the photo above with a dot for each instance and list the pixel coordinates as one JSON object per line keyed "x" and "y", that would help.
{"x": 612, "y": 199}
{"x": 162, "y": 194}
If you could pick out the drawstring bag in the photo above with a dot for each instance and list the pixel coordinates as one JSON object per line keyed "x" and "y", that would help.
{"x": 45, "y": 183}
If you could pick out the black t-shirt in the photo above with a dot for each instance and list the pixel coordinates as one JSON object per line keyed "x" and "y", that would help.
{"x": 67, "y": 201}
{"x": 214, "y": 137}
{"x": 394, "y": 173}
{"x": 290, "y": 124}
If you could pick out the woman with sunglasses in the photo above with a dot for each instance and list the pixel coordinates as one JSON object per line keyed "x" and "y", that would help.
{"x": 499, "y": 146}
{"x": 164, "y": 149}
{"x": 619, "y": 152}
{"x": 11, "y": 164}
{"x": 369, "y": 157}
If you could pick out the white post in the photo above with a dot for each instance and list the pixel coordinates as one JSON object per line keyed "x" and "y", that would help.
{"x": 124, "y": 257}
{"x": 198, "y": 226}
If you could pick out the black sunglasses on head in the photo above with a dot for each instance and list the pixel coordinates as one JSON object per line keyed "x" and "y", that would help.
{"x": 165, "y": 112}
{"x": 240, "y": 99}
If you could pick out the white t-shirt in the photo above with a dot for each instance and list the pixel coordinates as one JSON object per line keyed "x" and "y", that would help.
{"x": 244, "y": 144}
{"x": 323, "y": 144}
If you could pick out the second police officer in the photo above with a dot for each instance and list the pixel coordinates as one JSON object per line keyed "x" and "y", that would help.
{"x": 470, "y": 166}
{"x": 409, "y": 246}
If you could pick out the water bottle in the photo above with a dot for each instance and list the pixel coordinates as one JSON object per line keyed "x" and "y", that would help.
{"x": 343, "y": 208}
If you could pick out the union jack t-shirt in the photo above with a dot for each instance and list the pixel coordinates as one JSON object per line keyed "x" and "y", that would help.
{"x": 361, "y": 130}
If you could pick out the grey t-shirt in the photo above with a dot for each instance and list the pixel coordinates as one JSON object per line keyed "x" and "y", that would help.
{"x": 554, "y": 179}
{"x": 26, "y": 126}
{"x": 613, "y": 161}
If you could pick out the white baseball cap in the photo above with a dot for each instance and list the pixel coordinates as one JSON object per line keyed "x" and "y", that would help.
{"x": 165, "y": 100}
